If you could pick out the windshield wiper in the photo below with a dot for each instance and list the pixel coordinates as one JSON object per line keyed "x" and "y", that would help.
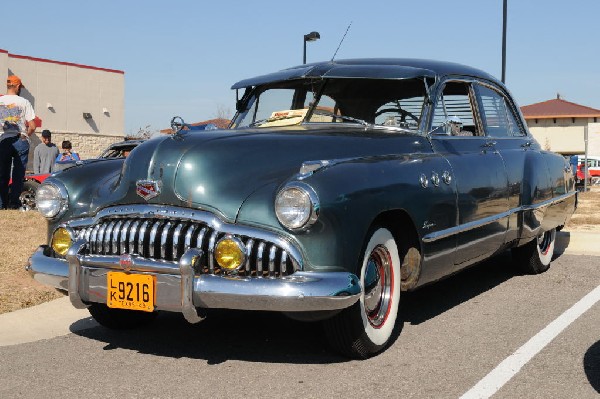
{"x": 343, "y": 117}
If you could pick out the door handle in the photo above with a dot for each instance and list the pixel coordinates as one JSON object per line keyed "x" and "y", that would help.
{"x": 489, "y": 144}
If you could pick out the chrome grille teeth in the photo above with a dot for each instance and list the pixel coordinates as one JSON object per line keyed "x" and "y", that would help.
{"x": 167, "y": 240}
{"x": 249, "y": 245}
{"x": 176, "y": 238}
{"x": 259, "y": 259}
{"x": 211, "y": 249}
{"x": 272, "y": 252}
{"x": 116, "y": 243}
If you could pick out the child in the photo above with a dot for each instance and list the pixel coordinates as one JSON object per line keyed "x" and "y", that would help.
{"x": 67, "y": 155}
{"x": 66, "y": 158}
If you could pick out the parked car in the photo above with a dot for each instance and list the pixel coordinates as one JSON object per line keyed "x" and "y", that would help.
{"x": 593, "y": 169}
{"x": 339, "y": 185}
{"x": 33, "y": 181}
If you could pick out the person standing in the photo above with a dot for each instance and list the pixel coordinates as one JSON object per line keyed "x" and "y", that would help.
{"x": 16, "y": 126}
{"x": 44, "y": 154}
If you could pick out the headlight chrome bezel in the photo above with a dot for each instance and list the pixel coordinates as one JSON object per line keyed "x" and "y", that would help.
{"x": 60, "y": 199}
{"x": 311, "y": 210}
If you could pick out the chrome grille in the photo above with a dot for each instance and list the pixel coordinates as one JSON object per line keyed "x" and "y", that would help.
{"x": 168, "y": 239}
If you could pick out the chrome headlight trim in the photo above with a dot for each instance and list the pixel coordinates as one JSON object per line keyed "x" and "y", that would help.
{"x": 51, "y": 199}
{"x": 305, "y": 193}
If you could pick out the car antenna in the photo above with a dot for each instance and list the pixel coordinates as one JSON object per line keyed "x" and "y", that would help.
{"x": 341, "y": 41}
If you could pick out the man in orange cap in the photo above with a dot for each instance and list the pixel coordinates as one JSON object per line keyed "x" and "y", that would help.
{"x": 16, "y": 125}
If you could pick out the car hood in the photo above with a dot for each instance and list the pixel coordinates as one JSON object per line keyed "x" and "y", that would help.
{"x": 218, "y": 170}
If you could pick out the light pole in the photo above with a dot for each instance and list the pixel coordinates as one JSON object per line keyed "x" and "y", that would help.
{"x": 504, "y": 41}
{"x": 310, "y": 37}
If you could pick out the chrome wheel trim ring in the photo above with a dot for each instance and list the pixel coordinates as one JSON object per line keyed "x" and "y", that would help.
{"x": 378, "y": 286}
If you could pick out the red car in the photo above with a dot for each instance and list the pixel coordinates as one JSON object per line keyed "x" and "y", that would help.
{"x": 32, "y": 181}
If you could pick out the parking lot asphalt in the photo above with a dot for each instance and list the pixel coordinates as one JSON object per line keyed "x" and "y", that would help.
{"x": 58, "y": 317}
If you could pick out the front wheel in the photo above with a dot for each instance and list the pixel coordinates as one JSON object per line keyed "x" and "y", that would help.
{"x": 120, "y": 319}
{"x": 535, "y": 256}
{"x": 366, "y": 328}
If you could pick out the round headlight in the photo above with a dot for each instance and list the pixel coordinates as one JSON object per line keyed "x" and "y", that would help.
{"x": 296, "y": 206}
{"x": 49, "y": 200}
{"x": 230, "y": 253}
{"x": 61, "y": 240}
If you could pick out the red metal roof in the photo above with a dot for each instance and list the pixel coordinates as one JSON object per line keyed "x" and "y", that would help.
{"x": 558, "y": 108}
{"x": 26, "y": 57}
{"x": 220, "y": 123}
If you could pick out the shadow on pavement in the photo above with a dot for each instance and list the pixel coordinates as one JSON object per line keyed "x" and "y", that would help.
{"x": 271, "y": 337}
{"x": 430, "y": 301}
{"x": 563, "y": 239}
{"x": 224, "y": 335}
{"x": 591, "y": 365}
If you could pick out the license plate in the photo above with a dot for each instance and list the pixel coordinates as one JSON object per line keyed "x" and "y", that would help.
{"x": 130, "y": 291}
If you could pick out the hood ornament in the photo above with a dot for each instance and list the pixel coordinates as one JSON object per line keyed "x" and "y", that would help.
{"x": 147, "y": 189}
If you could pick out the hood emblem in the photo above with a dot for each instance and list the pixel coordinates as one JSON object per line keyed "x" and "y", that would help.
{"x": 147, "y": 189}
{"x": 125, "y": 261}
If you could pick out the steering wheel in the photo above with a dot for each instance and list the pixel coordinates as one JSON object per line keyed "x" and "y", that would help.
{"x": 403, "y": 114}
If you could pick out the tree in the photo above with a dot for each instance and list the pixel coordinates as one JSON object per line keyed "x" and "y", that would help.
{"x": 223, "y": 112}
{"x": 143, "y": 133}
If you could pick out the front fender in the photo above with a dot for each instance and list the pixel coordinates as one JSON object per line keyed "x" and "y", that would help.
{"x": 351, "y": 197}
{"x": 86, "y": 185}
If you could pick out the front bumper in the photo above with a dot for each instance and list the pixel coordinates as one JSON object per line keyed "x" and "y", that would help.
{"x": 181, "y": 289}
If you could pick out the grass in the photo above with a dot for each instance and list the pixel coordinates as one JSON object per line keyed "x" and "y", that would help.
{"x": 20, "y": 235}
{"x": 22, "y": 232}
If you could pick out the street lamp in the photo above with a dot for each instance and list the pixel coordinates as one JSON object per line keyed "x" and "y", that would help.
{"x": 504, "y": 8}
{"x": 310, "y": 37}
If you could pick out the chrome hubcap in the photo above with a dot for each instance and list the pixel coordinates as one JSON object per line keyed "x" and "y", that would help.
{"x": 378, "y": 286}
{"x": 27, "y": 199}
{"x": 544, "y": 242}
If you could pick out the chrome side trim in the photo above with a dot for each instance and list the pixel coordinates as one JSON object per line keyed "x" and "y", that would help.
{"x": 438, "y": 235}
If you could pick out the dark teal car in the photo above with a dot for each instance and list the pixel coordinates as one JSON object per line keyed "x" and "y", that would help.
{"x": 338, "y": 186}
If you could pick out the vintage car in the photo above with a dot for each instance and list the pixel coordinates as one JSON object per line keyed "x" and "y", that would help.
{"x": 338, "y": 186}
{"x": 33, "y": 181}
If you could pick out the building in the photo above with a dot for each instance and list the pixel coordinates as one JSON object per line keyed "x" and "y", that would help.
{"x": 80, "y": 103}
{"x": 559, "y": 125}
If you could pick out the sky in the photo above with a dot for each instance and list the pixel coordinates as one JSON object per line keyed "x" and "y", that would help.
{"x": 182, "y": 57}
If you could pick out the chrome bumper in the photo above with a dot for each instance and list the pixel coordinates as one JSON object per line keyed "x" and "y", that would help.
{"x": 180, "y": 289}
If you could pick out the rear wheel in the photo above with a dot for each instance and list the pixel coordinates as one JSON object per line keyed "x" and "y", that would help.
{"x": 535, "y": 256}
{"x": 27, "y": 196}
{"x": 367, "y": 327}
{"x": 120, "y": 319}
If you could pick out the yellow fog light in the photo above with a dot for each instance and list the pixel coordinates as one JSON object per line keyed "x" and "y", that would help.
{"x": 230, "y": 253}
{"x": 61, "y": 240}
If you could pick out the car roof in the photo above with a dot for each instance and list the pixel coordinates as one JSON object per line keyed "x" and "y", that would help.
{"x": 126, "y": 143}
{"x": 381, "y": 68}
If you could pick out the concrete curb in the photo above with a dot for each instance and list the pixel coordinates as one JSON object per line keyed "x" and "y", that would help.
{"x": 45, "y": 321}
{"x": 577, "y": 243}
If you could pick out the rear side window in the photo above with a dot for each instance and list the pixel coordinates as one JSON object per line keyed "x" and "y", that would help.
{"x": 496, "y": 114}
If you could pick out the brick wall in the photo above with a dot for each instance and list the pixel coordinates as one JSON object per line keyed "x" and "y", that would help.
{"x": 86, "y": 145}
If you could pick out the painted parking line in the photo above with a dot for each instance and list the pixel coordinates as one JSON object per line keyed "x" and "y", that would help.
{"x": 496, "y": 379}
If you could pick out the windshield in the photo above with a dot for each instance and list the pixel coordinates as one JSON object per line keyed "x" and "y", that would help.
{"x": 370, "y": 102}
